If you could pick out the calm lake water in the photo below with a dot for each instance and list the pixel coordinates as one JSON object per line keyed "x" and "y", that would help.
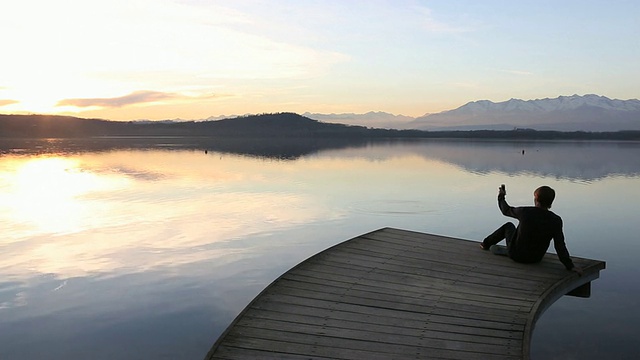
{"x": 150, "y": 250}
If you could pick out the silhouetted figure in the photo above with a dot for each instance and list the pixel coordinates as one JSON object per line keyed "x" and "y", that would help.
{"x": 537, "y": 225}
{"x": 522, "y": 151}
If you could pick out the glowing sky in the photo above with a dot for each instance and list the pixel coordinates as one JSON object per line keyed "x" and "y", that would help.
{"x": 191, "y": 59}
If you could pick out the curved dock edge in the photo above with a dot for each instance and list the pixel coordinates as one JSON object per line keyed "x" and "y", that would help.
{"x": 445, "y": 297}
{"x": 265, "y": 290}
{"x": 563, "y": 287}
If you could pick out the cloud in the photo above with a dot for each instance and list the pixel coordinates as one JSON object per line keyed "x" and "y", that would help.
{"x": 8, "y": 102}
{"x": 136, "y": 97}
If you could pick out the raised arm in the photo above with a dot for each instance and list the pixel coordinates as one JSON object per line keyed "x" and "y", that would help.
{"x": 502, "y": 203}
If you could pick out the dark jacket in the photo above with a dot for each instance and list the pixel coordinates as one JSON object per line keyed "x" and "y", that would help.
{"x": 536, "y": 227}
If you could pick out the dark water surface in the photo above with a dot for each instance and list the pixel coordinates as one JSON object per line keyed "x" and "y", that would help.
{"x": 113, "y": 249}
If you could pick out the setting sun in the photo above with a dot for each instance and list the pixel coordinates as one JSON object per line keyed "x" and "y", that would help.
{"x": 211, "y": 58}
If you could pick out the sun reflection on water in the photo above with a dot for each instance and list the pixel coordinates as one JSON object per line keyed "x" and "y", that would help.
{"x": 44, "y": 194}
{"x": 130, "y": 212}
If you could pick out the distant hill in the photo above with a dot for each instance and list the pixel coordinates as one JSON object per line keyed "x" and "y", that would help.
{"x": 266, "y": 127}
{"x": 373, "y": 119}
{"x": 278, "y": 125}
{"x": 564, "y": 113}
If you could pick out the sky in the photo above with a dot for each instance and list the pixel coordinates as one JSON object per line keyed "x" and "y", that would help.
{"x": 192, "y": 59}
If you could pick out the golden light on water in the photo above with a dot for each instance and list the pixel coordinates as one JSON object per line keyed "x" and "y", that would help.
{"x": 101, "y": 213}
{"x": 136, "y": 210}
{"x": 44, "y": 194}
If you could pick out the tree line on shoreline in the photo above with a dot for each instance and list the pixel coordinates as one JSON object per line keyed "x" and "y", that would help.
{"x": 276, "y": 126}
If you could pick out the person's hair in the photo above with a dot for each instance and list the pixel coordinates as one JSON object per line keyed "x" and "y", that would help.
{"x": 545, "y": 195}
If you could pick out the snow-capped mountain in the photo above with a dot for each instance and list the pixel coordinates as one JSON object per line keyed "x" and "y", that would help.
{"x": 564, "y": 113}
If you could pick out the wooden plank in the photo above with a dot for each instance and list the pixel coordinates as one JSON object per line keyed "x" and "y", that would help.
{"x": 338, "y": 337}
{"x": 444, "y": 245}
{"x": 392, "y": 300}
{"x": 426, "y": 266}
{"x": 453, "y": 254}
{"x": 424, "y": 314}
{"x": 383, "y": 292}
{"x": 281, "y": 311}
{"x": 368, "y": 292}
{"x": 396, "y": 271}
{"x": 487, "y": 264}
{"x": 378, "y": 325}
{"x": 340, "y": 348}
{"x": 436, "y": 262}
{"x": 468, "y": 291}
{"x": 479, "y": 289}
{"x": 348, "y": 273}
{"x": 417, "y": 240}
{"x": 401, "y": 294}
{"x": 226, "y": 352}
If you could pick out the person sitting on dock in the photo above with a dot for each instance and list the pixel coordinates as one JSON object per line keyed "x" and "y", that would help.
{"x": 529, "y": 242}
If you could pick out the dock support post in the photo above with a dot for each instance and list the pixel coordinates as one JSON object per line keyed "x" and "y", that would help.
{"x": 583, "y": 291}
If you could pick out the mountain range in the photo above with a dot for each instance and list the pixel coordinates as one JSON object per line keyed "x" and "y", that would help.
{"x": 588, "y": 113}
{"x": 565, "y": 113}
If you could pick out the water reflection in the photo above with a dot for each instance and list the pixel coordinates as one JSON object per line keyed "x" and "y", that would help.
{"x": 44, "y": 193}
{"x": 102, "y": 249}
{"x": 66, "y": 216}
{"x": 574, "y": 160}
{"x": 580, "y": 161}
{"x": 281, "y": 148}
{"x": 152, "y": 249}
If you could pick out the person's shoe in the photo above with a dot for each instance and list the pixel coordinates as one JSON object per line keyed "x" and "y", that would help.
{"x": 498, "y": 250}
{"x": 483, "y": 247}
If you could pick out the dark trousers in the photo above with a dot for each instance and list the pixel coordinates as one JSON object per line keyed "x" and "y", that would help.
{"x": 506, "y": 231}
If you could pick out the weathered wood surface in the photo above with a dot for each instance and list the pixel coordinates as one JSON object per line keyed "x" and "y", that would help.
{"x": 393, "y": 294}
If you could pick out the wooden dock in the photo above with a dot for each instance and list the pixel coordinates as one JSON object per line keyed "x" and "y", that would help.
{"x": 397, "y": 294}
